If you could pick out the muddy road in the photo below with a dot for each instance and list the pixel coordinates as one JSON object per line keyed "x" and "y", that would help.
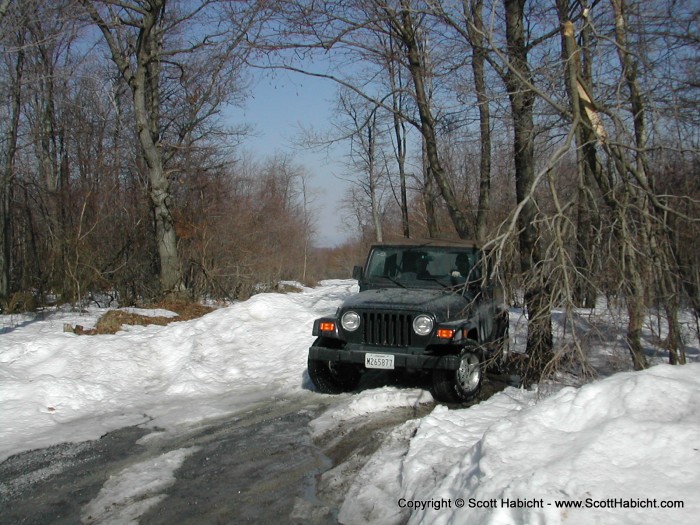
{"x": 262, "y": 464}
{"x": 257, "y": 466}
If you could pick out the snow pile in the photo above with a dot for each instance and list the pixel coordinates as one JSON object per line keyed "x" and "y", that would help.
{"x": 49, "y": 378}
{"x": 368, "y": 402}
{"x": 623, "y": 448}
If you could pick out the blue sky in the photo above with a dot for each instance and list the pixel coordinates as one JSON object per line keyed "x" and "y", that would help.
{"x": 279, "y": 109}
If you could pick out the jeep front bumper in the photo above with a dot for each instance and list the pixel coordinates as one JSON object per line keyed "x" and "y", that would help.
{"x": 401, "y": 359}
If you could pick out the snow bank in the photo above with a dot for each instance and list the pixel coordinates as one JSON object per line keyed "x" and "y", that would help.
{"x": 622, "y": 448}
{"x": 49, "y": 378}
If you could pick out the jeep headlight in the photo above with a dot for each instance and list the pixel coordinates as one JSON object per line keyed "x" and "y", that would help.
{"x": 350, "y": 321}
{"x": 422, "y": 325}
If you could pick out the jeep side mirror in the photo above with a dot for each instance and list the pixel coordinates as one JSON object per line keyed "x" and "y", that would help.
{"x": 357, "y": 272}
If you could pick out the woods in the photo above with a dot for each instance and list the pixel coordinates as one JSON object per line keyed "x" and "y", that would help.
{"x": 563, "y": 134}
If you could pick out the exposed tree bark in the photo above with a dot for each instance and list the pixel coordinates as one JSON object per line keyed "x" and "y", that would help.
{"x": 631, "y": 224}
{"x": 586, "y": 162}
{"x": 587, "y": 257}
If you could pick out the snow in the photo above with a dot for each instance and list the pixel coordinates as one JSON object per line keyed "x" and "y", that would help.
{"x": 631, "y": 437}
{"x": 57, "y": 386}
{"x": 621, "y": 446}
{"x": 368, "y": 402}
{"x": 149, "y": 312}
{"x": 135, "y": 489}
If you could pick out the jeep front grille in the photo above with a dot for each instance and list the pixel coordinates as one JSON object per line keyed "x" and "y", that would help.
{"x": 387, "y": 329}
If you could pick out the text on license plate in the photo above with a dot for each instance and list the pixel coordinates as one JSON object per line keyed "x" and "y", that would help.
{"x": 384, "y": 361}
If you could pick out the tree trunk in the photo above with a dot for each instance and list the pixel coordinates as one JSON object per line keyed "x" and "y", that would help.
{"x": 372, "y": 176}
{"x": 517, "y": 77}
{"x": 629, "y": 72}
{"x": 400, "y": 137}
{"x": 400, "y": 134}
{"x": 586, "y": 160}
{"x": 588, "y": 246}
{"x": 430, "y": 195}
{"x": 8, "y": 175}
{"x": 405, "y": 223}
{"x": 475, "y": 29}
{"x": 416, "y": 66}
{"x": 49, "y": 164}
{"x": 634, "y": 239}
{"x": 674, "y": 340}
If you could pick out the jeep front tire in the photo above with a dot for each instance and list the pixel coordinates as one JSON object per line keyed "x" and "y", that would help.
{"x": 463, "y": 384}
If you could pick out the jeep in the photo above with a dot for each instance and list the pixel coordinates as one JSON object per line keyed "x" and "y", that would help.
{"x": 423, "y": 307}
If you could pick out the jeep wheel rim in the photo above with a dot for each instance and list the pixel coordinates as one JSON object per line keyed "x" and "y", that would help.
{"x": 469, "y": 373}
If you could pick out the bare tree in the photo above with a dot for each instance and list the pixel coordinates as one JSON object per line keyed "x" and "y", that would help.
{"x": 470, "y": 27}
{"x": 578, "y": 74}
{"x": 406, "y": 29}
{"x": 350, "y": 27}
{"x": 14, "y": 95}
{"x": 134, "y": 33}
{"x": 137, "y": 33}
{"x": 362, "y": 131}
{"x": 398, "y": 104}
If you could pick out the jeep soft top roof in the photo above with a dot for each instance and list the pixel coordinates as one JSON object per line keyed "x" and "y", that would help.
{"x": 437, "y": 243}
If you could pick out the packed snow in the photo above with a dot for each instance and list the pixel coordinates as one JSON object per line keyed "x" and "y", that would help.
{"x": 622, "y": 449}
{"x": 134, "y": 490}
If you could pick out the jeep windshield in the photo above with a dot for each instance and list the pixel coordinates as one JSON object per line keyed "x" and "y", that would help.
{"x": 421, "y": 266}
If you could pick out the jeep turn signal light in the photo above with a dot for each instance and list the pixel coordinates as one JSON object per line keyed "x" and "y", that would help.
{"x": 445, "y": 333}
{"x": 327, "y": 327}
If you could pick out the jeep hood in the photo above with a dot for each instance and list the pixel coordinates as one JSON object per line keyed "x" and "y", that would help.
{"x": 444, "y": 305}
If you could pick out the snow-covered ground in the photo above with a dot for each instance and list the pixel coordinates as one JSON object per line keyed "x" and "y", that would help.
{"x": 624, "y": 448}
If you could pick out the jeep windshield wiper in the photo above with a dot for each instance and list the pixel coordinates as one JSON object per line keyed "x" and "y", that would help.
{"x": 392, "y": 280}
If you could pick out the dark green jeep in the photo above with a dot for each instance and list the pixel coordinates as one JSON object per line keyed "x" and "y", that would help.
{"x": 423, "y": 306}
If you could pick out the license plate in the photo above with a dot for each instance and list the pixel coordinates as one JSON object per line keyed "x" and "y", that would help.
{"x": 383, "y": 361}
